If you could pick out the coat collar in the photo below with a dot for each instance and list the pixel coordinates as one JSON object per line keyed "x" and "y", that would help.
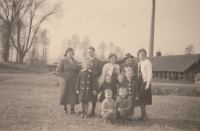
{"x": 71, "y": 65}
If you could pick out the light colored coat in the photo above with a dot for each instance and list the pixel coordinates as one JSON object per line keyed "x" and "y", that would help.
{"x": 146, "y": 70}
{"x": 69, "y": 73}
{"x": 108, "y": 70}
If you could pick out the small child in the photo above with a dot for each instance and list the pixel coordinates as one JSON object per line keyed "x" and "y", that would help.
{"x": 106, "y": 85}
{"x": 85, "y": 87}
{"x": 122, "y": 105}
{"x": 107, "y": 107}
{"x": 121, "y": 82}
{"x": 132, "y": 88}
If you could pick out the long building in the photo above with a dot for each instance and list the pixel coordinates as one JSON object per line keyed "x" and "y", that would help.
{"x": 174, "y": 67}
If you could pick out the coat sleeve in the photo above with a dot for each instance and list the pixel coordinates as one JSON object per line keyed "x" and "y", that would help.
{"x": 100, "y": 89}
{"x": 136, "y": 71}
{"x": 136, "y": 89}
{"x": 121, "y": 69}
{"x": 100, "y": 65}
{"x": 78, "y": 82}
{"x": 60, "y": 69}
{"x": 103, "y": 75}
{"x": 149, "y": 70}
{"x": 93, "y": 84}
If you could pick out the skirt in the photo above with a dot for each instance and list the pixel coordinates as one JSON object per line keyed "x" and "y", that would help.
{"x": 145, "y": 96}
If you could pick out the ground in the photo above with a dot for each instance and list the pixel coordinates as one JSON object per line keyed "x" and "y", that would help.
{"x": 31, "y": 102}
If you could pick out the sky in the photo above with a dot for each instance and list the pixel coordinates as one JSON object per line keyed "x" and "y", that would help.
{"x": 127, "y": 24}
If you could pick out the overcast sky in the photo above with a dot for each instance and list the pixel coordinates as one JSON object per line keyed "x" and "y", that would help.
{"x": 127, "y": 24}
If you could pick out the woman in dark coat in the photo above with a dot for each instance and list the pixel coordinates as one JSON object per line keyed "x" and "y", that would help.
{"x": 145, "y": 76}
{"x": 129, "y": 65}
{"x": 68, "y": 69}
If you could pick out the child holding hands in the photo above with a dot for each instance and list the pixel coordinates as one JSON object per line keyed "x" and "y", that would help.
{"x": 85, "y": 87}
{"x": 107, "y": 106}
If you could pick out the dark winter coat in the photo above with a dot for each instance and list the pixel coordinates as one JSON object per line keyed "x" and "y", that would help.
{"x": 132, "y": 90}
{"x": 86, "y": 85}
{"x": 102, "y": 89}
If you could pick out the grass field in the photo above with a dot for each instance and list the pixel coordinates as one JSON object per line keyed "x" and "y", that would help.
{"x": 30, "y": 102}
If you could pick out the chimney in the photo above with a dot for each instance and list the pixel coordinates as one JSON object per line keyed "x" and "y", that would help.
{"x": 151, "y": 44}
{"x": 158, "y": 53}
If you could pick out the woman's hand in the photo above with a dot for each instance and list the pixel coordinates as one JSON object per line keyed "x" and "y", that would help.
{"x": 77, "y": 92}
{"x": 119, "y": 109}
{"x": 94, "y": 93}
{"x": 147, "y": 87}
{"x": 136, "y": 98}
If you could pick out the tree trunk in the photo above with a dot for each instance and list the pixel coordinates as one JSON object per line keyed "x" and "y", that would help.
{"x": 7, "y": 47}
{"x": 21, "y": 57}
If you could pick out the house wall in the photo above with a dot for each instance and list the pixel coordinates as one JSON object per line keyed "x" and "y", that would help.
{"x": 192, "y": 71}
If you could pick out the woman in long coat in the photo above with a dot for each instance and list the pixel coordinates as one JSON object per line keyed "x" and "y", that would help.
{"x": 68, "y": 69}
{"x": 145, "y": 76}
{"x": 129, "y": 65}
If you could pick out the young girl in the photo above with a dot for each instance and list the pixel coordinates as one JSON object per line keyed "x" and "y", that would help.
{"x": 132, "y": 88}
{"x": 85, "y": 87}
{"x": 122, "y": 105}
{"x": 121, "y": 82}
{"x": 107, "y": 106}
{"x": 106, "y": 85}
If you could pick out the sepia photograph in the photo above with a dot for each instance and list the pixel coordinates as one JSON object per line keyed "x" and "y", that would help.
{"x": 99, "y": 65}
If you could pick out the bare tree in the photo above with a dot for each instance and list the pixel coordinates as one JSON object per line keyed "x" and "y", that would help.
{"x": 85, "y": 44}
{"x": 32, "y": 17}
{"x": 102, "y": 50}
{"x": 189, "y": 49}
{"x": 118, "y": 52}
{"x": 45, "y": 44}
{"x": 111, "y": 47}
{"x": 8, "y": 13}
{"x": 74, "y": 42}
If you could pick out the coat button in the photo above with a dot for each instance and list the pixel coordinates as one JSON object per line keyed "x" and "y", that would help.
{"x": 88, "y": 82}
{"x": 129, "y": 92}
{"x": 129, "y": 84}
{"x": 130, "y": 96}
{"x": 88, "y": 75}
{"x": 83, "y": 82}
{"x": 88, "y": 88}
{"x": 83, "y": 88}
{"x": 129, "y": 88}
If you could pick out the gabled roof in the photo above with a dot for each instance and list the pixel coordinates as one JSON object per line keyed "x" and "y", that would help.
{"x": 174, "y": 63}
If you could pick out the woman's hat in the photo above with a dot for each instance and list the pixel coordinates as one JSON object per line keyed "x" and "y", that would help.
{"x": 128, "y": 55}
{"x": 68, "y": 50}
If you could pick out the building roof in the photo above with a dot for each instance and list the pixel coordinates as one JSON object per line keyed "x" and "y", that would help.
{"x": 173, "y": 63}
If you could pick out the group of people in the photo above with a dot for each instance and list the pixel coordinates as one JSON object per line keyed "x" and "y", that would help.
{"x": 122, "y": 87}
